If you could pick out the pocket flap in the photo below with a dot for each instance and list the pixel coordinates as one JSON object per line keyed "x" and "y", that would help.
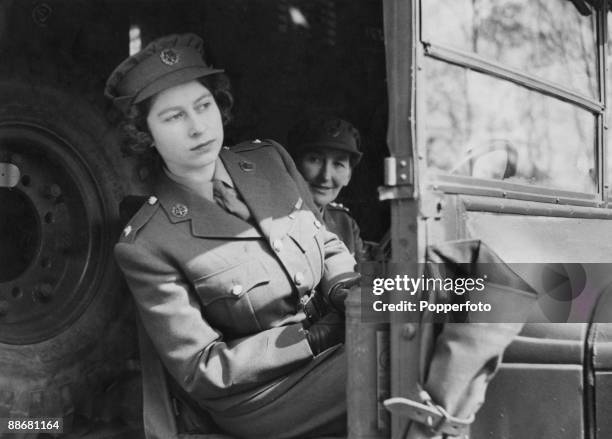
{"x": 231, "y": 283}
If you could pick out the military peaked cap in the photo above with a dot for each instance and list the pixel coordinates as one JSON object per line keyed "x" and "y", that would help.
{"x": 164, "y": 63}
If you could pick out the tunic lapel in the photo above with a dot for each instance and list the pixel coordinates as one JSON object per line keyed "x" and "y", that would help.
{"x": 208, "y": 220}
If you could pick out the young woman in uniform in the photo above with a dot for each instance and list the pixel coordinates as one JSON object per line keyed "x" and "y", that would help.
{"x": 225, "y": 253}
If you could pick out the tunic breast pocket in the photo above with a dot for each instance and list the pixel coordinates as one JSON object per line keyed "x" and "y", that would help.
{"x": 225, "y": 296}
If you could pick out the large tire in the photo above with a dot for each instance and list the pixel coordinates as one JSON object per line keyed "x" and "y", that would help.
{"x": 66, "y": 333}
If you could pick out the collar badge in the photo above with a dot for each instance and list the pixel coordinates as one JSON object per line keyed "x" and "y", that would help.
{"x": 246, "y": 166}
{"x": 179, "y": 210}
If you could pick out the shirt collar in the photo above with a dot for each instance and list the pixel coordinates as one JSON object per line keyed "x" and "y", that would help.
{"x": 204, "y": 189}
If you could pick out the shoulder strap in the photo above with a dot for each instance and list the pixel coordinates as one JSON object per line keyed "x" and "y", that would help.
{"x": 140, "y": 209}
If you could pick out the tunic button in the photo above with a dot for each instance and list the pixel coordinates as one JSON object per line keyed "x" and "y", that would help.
{"x": 237, "y": 290}
{"x": 152, "y": 200}
{"x": 298, "y": 278}
{"x": 127, "y": 230}
{"x": 277, "y": 245}
{"x": 317, "y": 224}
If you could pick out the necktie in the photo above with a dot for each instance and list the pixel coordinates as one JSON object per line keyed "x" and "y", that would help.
{"x": 227, "y": 197}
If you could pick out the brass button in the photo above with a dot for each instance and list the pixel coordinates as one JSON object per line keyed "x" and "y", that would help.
{"x": 317, "y": 224}
{"x": 277, "y": 245}
{"x": 152, "y": 200}
{"x": 127, "y": 230}
{"x": 237, "y": 290}
{"x": 298, "y": 278}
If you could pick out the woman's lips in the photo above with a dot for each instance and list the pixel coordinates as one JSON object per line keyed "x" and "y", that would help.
{"x": 202, "y": 145}
{"x": 321, "y": 188}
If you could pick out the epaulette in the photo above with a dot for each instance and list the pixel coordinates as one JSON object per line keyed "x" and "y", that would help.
{"x": 140, "y": 218}
{"x": 250, "y": 145}
{"x": 338, "y": 206}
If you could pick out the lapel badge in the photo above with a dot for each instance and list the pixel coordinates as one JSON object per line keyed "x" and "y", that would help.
{"x": 169, "y": 57}
{"x": 179, "y": 210}
{"x": 246, "y": 166}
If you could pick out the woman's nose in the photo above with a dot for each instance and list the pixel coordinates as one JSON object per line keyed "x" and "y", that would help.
{"x": 196, "y": 127}
{"x": 325, "y": 172}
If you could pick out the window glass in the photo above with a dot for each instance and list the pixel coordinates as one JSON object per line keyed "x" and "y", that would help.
{"x": 551, "y": 39}
{"x": 484, "y": 127}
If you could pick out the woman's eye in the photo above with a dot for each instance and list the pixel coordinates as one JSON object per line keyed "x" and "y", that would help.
{"x": 203, "y": 106}
{"x": 173, "y": 116}
{"x": 314, "y": 159}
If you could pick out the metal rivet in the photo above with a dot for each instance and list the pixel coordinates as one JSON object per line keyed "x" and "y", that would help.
{"x": 403, "y": 177}
{"x": 408, "y": 331}
{"x": 403, "y": 163}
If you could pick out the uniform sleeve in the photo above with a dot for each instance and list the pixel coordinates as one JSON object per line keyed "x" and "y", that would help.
{"x": 195, "y": 354}
{"x": 338, "y": 261}
{"x": 360, "y": 251}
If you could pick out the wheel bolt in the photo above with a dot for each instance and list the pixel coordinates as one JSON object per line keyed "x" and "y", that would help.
{"x": 52, "y": 191}
{"x": 44, "y": 291}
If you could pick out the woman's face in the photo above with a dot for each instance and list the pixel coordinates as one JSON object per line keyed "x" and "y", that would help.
{"x": 326, "y": 171}
{"x": 186, "y": 126}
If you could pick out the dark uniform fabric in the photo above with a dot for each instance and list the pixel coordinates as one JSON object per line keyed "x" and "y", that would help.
{"x": 339, "y": 221}
{"x": 219, "y": 297}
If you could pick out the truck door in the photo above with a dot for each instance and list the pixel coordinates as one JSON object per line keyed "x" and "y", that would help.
{"x": 497, "y": 132}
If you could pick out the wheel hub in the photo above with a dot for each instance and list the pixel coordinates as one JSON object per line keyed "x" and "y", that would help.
{"x": 51, "y": 233}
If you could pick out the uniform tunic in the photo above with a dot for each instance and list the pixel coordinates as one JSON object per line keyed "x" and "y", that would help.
{"x": 338, "y": 220}
{"x": 219, "y": 296}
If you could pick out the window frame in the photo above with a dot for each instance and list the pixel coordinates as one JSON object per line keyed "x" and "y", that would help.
{"x": 512, "y": 190}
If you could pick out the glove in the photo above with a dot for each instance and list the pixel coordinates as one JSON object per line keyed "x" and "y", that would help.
{"x": 325, "y": 333}
{"x": 336, "y": 295}
{"x": 314, "y": 307}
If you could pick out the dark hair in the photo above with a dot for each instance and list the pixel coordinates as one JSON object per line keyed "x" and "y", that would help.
{"x": 137, "y": 137}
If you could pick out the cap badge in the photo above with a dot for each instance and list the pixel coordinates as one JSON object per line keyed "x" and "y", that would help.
{"x": 179, "y": 210}
{"x": 334, "y": 132}
{"x": 169, "y": 57}
{"x": 246, "y": 166}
